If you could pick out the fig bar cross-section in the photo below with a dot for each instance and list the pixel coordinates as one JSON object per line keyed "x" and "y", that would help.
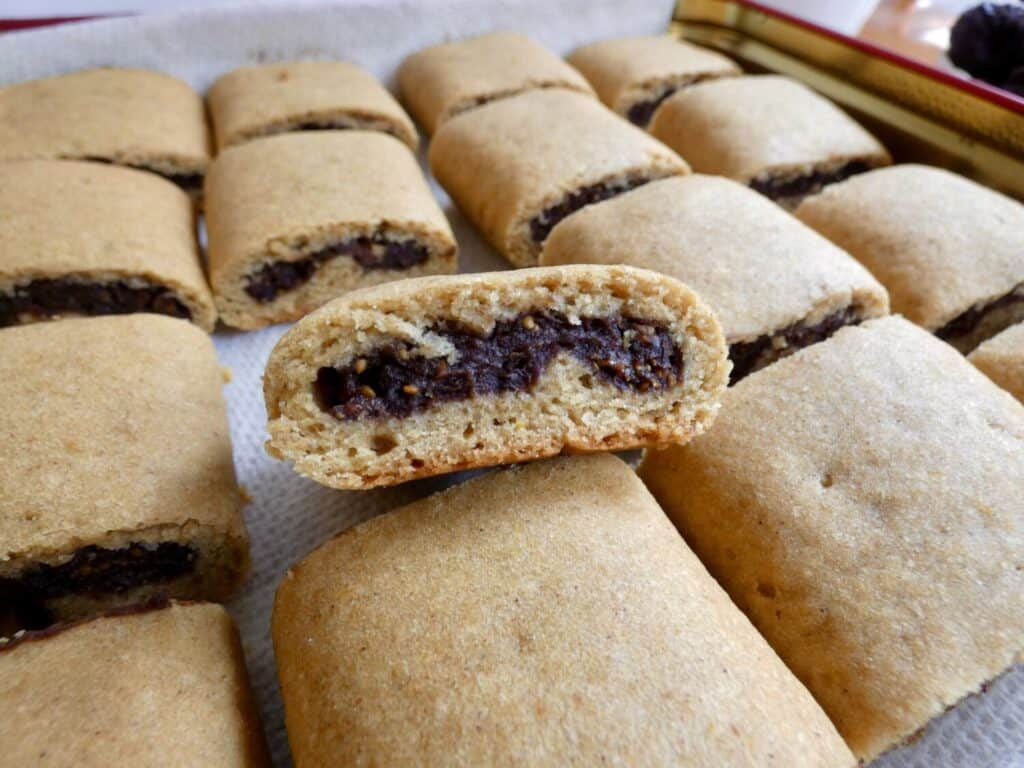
{"x": 428, "y": 376}
{"x": 88, "y": 239}
{"x": 298, "y": 219}
{"x": 519, "y": 166}
{"x": 118, "y": 478}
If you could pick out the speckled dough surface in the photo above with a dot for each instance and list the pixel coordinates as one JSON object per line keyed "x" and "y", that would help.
{"x": 124, "y": 116}
{"x": 542, "y": 615}
{"x": 759, "y": 269}
{"x": 860, "y": 500}
{"x": 444, "y": 80}
{"x": 106, "y": 441}
{"x": 570, "y": 407}
{"x": 155, "y": 688}
{"x": 1001, "y": 358}
{"x": 507, "y": 162}
{"x": 95, "y": 222}
{"x": 630, "y": 70}
{"x": 284, "y": 198}
{"x": 939, "y": 242}
{"x": 762, "y": 127}
{"x": 250, "y": 102}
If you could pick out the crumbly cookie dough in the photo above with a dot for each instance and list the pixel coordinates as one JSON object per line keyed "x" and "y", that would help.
{"x": 634, "y": 75}
{"x": 250, "y": 102}
{"x": 422, "y": 377}
{"x": 860, "y": 501}
{"x": 86, "y": 239}
{"x": 1001, "y": 358}
{"x": 950, "y": 251}
{"x": 520, "y": 165}
{"x": 541, "y": 615}
{"x": 442, "y": 81}
{"x": 118, "y": 478}
{"x": 141, "y": 687}
{"x": 769, "y": 132}
{"x": 133, "y": 117}
{"x": 774, "y": 284}
{"x": 298, "y": 219}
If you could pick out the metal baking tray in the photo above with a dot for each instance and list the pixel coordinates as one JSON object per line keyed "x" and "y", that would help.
{"x": 921, "y": 113}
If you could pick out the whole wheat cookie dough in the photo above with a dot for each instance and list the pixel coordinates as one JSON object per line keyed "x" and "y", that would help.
{"x": 860, "y": 501}
{"x": 147, "y": 687}
{"x": 442, "y": 81}
{"x": 118, "y": 478}
{"x": 774, "y": 284}
{"x": 950, "y": 251}
{"x": 133, "y": 117}
{"x": 428, "y": 376}
{"x": 1001, "y": 358}
{"x": 90, "y": 239}
{"x": 519, "y": 166}
{"x": 769, "y": 132}
{"x": 541, "y": 615}
{"x": 298, "y": 219}
{"x": 255, "y": 101}
{"x": 634, "y": 75}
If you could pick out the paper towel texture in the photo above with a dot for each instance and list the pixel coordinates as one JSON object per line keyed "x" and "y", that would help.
{"x": 290, "y": 516}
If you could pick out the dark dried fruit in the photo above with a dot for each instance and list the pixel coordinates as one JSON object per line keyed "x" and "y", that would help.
{"x": 988, "y": 41}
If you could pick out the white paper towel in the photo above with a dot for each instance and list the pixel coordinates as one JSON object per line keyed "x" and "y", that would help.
{"x": 289, "y": 516}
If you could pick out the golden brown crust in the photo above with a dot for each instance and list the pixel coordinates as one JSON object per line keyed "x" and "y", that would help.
{"x": 543, "y": 615}
{"x": 506, "y": 162}
{"x": 567, "y": 409}
{"x": 628, "y": 70}
{"x": 939, "y": 243}
{"x": 143, "y": 689}
{"x": 125, "y": 116}
{"x": 759, "y": 126}
{"x": 92, "y": 221}
{"x": 286, "y": 197}
{"x": 860, "y": 501}
{"x": 114, "y": 431}
{"x": 759, "y": 270}
{"x": 250, "y": 102}
{"x": 444, "y": 80}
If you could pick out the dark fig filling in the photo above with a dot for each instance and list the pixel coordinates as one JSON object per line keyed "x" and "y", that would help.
{"x": 47, "y": 297}
{"x": 542, "y": 224}
{"x": 190, "y": 182}
{"x": 779, "y": 188}
{"x": 965, "y": 323}
{"x": 376, "y": 251}
{"x": 13, "y": 636}
{"x": 394, "y": 381}
{"x": 642, "y": 111}
{"x": 94, "y": 571}
{"x": 750, "y": 356}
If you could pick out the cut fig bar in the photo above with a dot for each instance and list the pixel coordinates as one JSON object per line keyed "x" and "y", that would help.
{"x": 153, "y": 685}
{"x": 298, "y": 219}
{"x": 118, "y": 478}
{"x": 133, "y": 117}
{"x": 860, "y": 501}
{"x": 443, "y": 81}
{"x": 634, "y": 75}
{"x": 950, "y": 251}
{"x": 87, "y": 239}
{"x": 250, "y": 102}
{"x": 769, "y": 132}
{"x": 518, "y": 166}
{"x": 433, "y": 375}
{"x": 774, "y": 284}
